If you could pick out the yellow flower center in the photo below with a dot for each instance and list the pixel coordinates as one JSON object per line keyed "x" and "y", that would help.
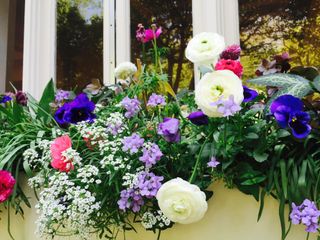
{"x": 294, "y": 119}
{"x": 179, "y": 207}
{"x": 216, "y": 92}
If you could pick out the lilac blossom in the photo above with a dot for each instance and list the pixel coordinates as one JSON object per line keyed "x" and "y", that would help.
{"x": 169, "y": 129}
{"x": 141, "y": 33}
{"x": 132, "y": 105}
{"x": 147, "y": 185}
{"x": 213, "y": 163}
{"x": 151, "y": 154}
{"x": 227, "y": 107}
{"x": 62, "y": 95}
{"x": 132, "y": 143}
{"x": 156, "y": 100}
{"x": 307, "y": 214}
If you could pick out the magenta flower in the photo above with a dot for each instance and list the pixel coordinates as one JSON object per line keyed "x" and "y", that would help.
{"x": 7, "y": 183}
{"x": 232, "y": 52}
{"x": 140, "y": 33}
{"x": 151, "y": 34}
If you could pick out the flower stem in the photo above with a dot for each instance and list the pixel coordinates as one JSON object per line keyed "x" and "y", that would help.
{"x": 195, "y": 168}
{"x": 9, "y": 228}
{"x": 159, "y": 234}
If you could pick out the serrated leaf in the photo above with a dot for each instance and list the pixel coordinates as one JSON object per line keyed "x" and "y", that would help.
{"x": 316, "y": 83}
{"x": 280, "y": 80}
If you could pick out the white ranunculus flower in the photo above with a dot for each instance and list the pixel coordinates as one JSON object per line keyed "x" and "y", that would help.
{"x": 217, "y": 85}
{"x": 125, "y": 70}
{"x": 181, "y": 201}
{"x": 205, "y": 48}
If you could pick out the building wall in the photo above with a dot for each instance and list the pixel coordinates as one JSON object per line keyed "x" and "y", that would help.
{"x": 231, "y": 216}
{"x": 4, "y": 16}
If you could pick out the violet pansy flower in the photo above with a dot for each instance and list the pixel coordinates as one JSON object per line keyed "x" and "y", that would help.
{"x": 287, "y": 111}
{"x": 169, "y": 129}
{"x": 198, "y": 118}
{"x": 249, "y": 94}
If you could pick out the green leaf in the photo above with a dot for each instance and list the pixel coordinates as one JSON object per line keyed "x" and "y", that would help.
{"x": 282, "y": 133}
{"x": 280, "y": 80}
{"x": 307, "y": 72}
{"x": 260, "y": 157}
{"x": 316, "y": 83}
{"x": 262, "y": 196}
{"x": 284, "y": 179}
{"x": 252, "y": 136}
{"x": 46, "y": 99}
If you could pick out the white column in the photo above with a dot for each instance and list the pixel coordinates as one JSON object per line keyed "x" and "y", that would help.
{"x": 123, "y": 31}
{"x": 108, "y": 42}
{"x": 4, "y": 17}
{"x": 39, "y": 62}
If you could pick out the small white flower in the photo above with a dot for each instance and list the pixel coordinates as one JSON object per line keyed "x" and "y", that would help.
{"x": 125, "y": 70}
{"x": 181, "y": 201}
{"x": 205, "y": 48}
{"x": 215, "y": 86}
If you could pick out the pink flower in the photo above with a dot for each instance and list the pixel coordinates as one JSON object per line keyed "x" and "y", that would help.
{"x": 232, "y": 52}
{"x": 140, "y": 33}
{"x": 151, "y": 34}
{"x": 57, "y": 148}
{"x": 7, "y": 183}
{"x": 232, "y": 65}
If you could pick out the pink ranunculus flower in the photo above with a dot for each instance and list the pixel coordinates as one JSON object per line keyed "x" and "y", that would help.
{"x": 232, "y": 65}
{"x": 7, "y": 183}
{"x": 151, "y": 34}
{"x": 59, "y": 161}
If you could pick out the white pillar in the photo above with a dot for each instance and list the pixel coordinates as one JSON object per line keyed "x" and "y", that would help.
{"x": 108, "y": 42}
{"x": 39, "y": 61}
{"x": 123, "y": 31}
{"x": 4, "y": 17}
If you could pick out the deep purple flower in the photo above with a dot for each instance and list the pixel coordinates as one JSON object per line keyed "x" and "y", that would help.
{"x": 287, "y": 111}
{"x": 213, "y": 163}
{"x": 249, "y": 94}
{"x": 169, "y": 129}
{"x": 156, "y": 100}
{"x": 151, "y": 154}
{"x": 132, "y": 143}
{"x": 232, "y": 52}
{"x": 21, "y": 98}
{"x": 62, "y": 95}
{"x": 307, "y": 214}
{"x": 5, "y": 99}
{"x": 132, "y": 105}
{"x": 146, "y": 185}
{"x": 78, "y": 110}
{"x": 198, "y": 118}
{"x": 227, "y": 107}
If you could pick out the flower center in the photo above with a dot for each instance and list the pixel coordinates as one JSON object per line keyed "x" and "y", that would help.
{"x": 216, "y": 92}
{"x": 294, "y": 119}
{"x": 179, "y": 207}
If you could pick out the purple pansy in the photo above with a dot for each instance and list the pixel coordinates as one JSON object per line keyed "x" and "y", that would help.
{"x": 132, "y": 143}
{"x": 307, "y": 214}
{"x": 227, "y": 107}
{"x": 5, "y": 99}
{"x": 78, "y": 110}
{"x": 287, "y": 111}
{"x": 213, "y": 163}
{"x": 198, "y": 118}
{"x": 151, "y": 154}
{"x": 249, "y": 94}
{"x": 147, "y": 185}
{"x": 169, "y": 129}
{"x": 156, "y": 100}
{"x": 132, "y": 105}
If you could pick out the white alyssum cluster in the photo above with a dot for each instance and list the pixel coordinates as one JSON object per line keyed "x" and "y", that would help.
{"x": 150, "y": 220}
{"x": 73, "y": 156}
{"x": 88, "y": 174}
{"x": 115, "y": 123}
{"x": 38, "y": 155}
{"x": 63, "y": 201}
{"x": 131, "y": 179}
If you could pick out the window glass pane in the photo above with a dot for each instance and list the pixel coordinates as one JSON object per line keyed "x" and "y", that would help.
{"x": 79, "y": 42}
{"x": 276, "y": 26}
{"x": 175, "y": 18}
{"x": 15, "y": 45}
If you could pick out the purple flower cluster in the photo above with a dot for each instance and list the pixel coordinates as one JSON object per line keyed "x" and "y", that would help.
{"x": 132, "y": 143}
{"x": 114, "y": 128}
{"x": 78, "y": 110}
{"x": 156, "y": 100}
{"x": 307, "y": 214}
{"x": 140, "y": 33}
{"x": 5, "y": 99}
{"x": 151, "y": 154}
{"x": 169, "y": 129}
{"x": 287, "y": 110}
{"x": 62, "y": 95}
{"x": 132, "y": 105}
{"x": 227, "y": 107}
{"x": 147, "y": 185}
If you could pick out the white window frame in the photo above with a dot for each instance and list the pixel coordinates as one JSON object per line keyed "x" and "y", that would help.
{"x": 39, "y": 64}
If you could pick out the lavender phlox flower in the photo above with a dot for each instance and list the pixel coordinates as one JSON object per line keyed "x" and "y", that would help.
{"x": 169, "y": 129}
{"x": 213, "y": 163}
{"x": 226, "y": 107}
{"x": 156, "y": 100}
{"x": 151, "y": 154}
{"x": 62, "y": 95}
{"x": 132, "y": 105}
{"x": 132, "y": 143}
